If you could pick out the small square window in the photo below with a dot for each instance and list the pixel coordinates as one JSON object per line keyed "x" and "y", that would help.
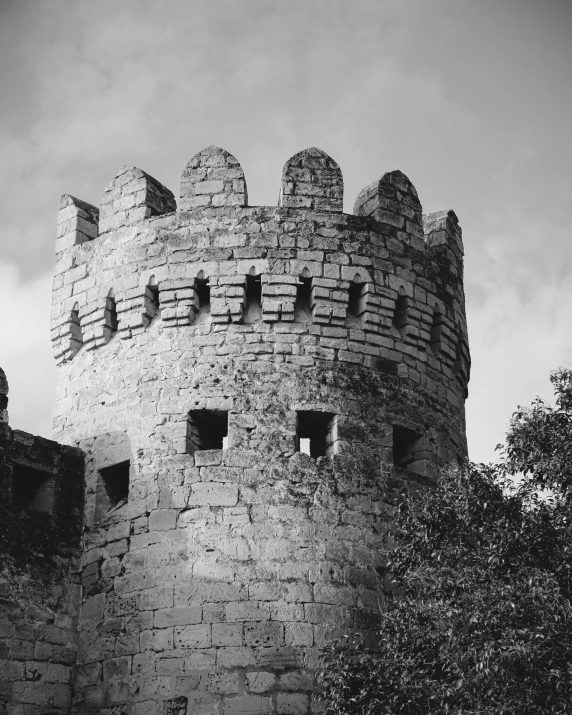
{"x": 32, "y": 489}
{"x": 404, "y": 446}
{"x": 315, "y": 433}
{"x": 113, "y": 486}
{"x": 207, "y": 429}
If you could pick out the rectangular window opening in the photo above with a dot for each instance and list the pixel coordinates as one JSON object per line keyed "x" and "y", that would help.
{"x": 315, "y": 433}
{"x": 404, "y": 446}
{"x": 400, "y": 315}
{"x": 435, "y": 339}
{"x": 32, "y": 489}
{"x": 111, "y": 322}
{"x": 114, "y": 485}
{"x": 203, "y": 295}
{"x": 207, "y": 429}
{"x": 253, "y": 299}
{"x": 384, "y": 365}
{"x": 152, "y": 303}
{"x": 356, "y": 304}
{"x": 303, "y": 304}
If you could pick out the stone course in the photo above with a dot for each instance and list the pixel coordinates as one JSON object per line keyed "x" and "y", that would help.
{"x": 252, "y": 388}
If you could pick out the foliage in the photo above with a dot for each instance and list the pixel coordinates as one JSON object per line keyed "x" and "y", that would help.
{"x": 480, "y": 619}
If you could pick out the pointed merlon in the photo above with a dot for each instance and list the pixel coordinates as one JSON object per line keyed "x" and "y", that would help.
{"x": 442, "y": 229}
{"x": 393, "y": 201}
{"x": 312, "y": 180}
{"x": 212, "y": 178}
{"x": 131, "y": 197}
{"x": 77, "y": 223}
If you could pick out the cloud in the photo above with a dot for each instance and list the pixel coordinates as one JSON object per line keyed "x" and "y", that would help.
{"x": 518, "y": 309}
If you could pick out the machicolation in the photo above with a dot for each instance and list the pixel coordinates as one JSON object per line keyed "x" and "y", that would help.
{"x": 243, "y": 392}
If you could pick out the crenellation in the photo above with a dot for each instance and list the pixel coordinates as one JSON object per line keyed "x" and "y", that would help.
{"x": 312, "y": 180}
{"x": 213, "y": 177}
{"x": 132, "y": 196}
{"x": 78, "y": 222}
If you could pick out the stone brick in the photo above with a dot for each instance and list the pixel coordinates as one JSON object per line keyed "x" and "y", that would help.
{"x": 263, "y": 634}
{"x": 260, "y": 682}
{"x": 192, "y": 636}
{"x": 213, "y": 494}
{"x": 162, "y": 519}
{"x": 291, "y": 703}
{"x": 177, "y": 616}
{"x": 247, "y": 705}
{"x": 246, "y": 611}
{"x": 227, "y": 634}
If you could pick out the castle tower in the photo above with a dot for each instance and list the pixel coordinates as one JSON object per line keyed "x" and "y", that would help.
{"x": 252, "y": 387}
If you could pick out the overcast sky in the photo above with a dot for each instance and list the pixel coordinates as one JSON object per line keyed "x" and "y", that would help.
{"x": 470, "y": 98}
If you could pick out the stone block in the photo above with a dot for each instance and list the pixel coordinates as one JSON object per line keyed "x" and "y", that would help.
{"x": 247, "y": 705}
{"x": 223, "y": 683}
{"x": 116, "y": 668}
{"x": 246, "y": 611}
{"x": 227, "y": 634}
{"x": 193, "y": 636}
{"x": 157, "y": 640}
{"x": 263, "y": 634}
{"x": 177, "y": 616}
{"x": 329, "y": 615}
{"x": 260, "y": 682}
{"x": 213, "y": 494}
{"x": 235, "y": 657}
{"x": 298, "y": 634}
{"x": 292, "y": 703}
{"x": 162, "y": 519}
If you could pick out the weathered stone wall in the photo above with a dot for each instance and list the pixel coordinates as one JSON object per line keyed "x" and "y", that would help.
{"x": 41, "y": 488}
{"x": 210, "y": 577}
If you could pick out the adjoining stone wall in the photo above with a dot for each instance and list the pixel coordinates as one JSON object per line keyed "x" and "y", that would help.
{"x": 39, "y": 546}
{"x": 211, "y": 577}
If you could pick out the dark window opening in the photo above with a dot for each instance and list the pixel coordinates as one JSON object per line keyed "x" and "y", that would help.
{"x": 253, "y": 299}
{"x": 384, "y": 365}
{"x": 356, "y": 303}
{"x": 76, "y": 333}
{"x": 400, "y": 313}
{"x": 459, "y": 364}
{"x": 111, "y": 322}
{"x": 203, "y": 298}
{"x": 436, "y": 332}
{"x": 32, "y": 489}
{"x": 315, "y": 433}
{"x": 303, "y": 304}
{"x": 152, "y": 302}
{"x": 114, "y": 485}
{"x": 207, "y": 429}
{"x": 404, "y": 446}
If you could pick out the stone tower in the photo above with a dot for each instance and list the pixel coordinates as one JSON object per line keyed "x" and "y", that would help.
{"x": 252, "y": 386}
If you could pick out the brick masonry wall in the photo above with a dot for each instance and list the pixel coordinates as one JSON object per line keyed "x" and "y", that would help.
{"x": 211, "y": 588}
{"x": 39, "y": 585}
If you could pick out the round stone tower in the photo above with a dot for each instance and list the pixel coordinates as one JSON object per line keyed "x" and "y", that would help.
{"x": 252, "y": 386}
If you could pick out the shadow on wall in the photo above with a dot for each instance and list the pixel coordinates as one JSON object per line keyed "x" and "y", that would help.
{"x": 108, "y": 472}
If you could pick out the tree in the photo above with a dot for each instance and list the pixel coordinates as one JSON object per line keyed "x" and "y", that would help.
{"x": 480, "y": 620}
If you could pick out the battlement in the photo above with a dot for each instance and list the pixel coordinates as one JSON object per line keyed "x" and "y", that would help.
{"x": 381, "y": 288}
{"x": 38, "y": 475}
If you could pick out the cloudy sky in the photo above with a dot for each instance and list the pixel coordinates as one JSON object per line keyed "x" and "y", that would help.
{"x": 472, "y": 100}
